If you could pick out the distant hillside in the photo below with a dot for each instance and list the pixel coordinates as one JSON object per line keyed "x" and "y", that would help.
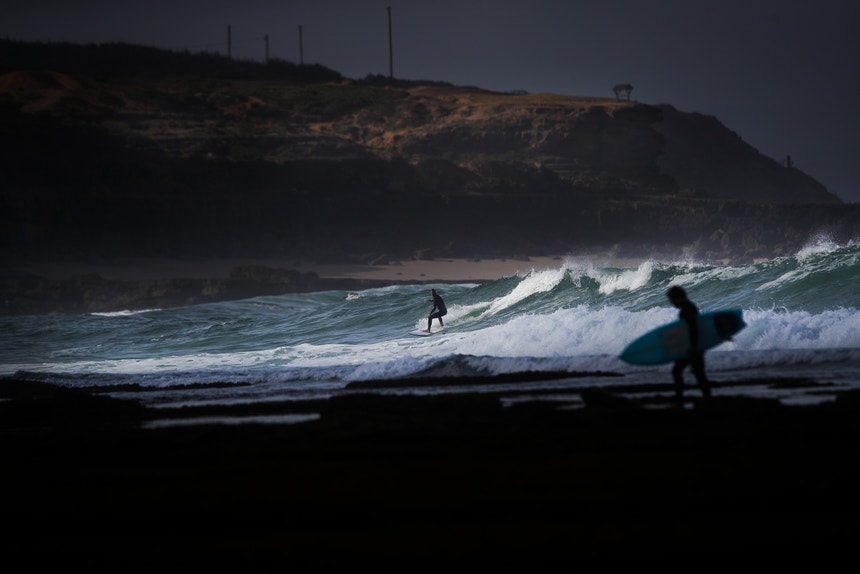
{"x": 118, "y": 149}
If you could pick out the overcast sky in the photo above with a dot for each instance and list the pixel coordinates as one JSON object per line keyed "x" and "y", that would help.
{"x": 784, "y": 75}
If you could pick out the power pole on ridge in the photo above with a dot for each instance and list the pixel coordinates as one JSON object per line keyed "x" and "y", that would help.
{"x": 301, "y": 48}
{"x": 390, "y": 48}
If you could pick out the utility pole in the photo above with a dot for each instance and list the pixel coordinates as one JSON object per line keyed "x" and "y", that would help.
{"x": 301, "y": 48}
{"x": 390, "y": 48}
{"x": 266, "y": 39}
{"x": 229, "y": 46}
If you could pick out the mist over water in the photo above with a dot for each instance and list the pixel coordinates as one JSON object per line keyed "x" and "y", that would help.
{"x": 801, "y": 313}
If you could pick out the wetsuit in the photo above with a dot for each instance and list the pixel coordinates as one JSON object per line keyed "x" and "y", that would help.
{"x": 696, "y": 360}
{"x": 437, "y": 312}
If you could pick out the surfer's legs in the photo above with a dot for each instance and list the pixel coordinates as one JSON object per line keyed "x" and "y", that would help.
{"x": 678, "y": 377}
{"x": 432, "y": 316}
{"x": 697, "y": 365}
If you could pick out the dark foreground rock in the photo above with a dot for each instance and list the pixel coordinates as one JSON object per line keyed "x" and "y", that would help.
{"x": 439, "y": 480}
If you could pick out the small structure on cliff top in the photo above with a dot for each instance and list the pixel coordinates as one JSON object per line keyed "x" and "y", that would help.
{"x": 622, "y": 90}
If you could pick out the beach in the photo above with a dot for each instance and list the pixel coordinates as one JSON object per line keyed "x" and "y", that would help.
{"x": 148, "y": 269}
{"x": 411, "y": 481}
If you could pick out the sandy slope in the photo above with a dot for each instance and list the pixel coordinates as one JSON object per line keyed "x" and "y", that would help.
{"x": 419, "y": 270}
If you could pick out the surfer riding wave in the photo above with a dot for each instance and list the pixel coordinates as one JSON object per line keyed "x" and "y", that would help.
{"x": 437, "y": 312}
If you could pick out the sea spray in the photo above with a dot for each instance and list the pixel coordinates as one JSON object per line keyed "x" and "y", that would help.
{"x": 801, "y": 313}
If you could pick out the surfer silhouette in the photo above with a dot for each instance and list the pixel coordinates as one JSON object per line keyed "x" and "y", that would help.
{"x": 689, "y": 313}
{"x": 437, "y": 312}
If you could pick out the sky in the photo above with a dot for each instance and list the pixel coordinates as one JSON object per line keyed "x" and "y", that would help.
{"x": 784, "y": 75}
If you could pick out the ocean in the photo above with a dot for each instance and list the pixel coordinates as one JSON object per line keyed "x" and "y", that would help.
{"x": 801, "y": 313}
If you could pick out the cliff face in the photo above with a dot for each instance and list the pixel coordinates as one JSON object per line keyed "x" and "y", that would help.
{"x": 200, "y": 166}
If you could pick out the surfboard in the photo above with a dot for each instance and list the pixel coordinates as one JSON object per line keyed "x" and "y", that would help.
{"x": 671, "y": 342}
{"x": 421, "y": 333}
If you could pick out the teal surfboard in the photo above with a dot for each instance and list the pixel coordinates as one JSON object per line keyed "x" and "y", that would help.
{"x": 671, "y": 342}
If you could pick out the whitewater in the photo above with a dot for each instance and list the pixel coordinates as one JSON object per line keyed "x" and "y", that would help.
{"x": 801, "y": 313}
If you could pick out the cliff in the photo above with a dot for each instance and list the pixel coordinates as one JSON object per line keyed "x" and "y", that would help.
{"x": 124, "y": 151}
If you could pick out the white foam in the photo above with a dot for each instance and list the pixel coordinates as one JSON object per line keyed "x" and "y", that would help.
{"x": 625, "y": 280}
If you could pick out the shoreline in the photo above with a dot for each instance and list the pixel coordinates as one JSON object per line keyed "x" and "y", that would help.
{"x": 398, "y": 480}
{"x": 148, "y": 269}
